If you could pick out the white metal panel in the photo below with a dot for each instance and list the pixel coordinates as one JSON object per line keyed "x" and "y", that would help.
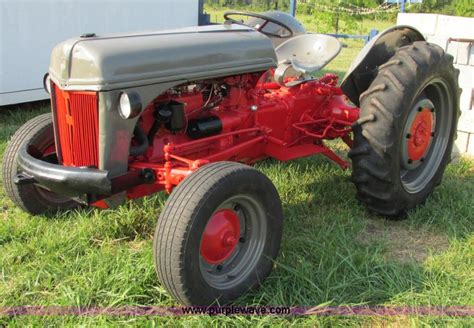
{"x": 455, "y": 26}
{"x": 425, "y": 23}
{"x": 29, "y": 29}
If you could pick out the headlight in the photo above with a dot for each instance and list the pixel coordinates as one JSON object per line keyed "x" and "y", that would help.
{"x": 130, "y": 104}
{"x": 47, "y": 83}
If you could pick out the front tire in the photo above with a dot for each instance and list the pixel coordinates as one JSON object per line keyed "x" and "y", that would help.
{"x": 404, "y": 137}
{"x": 218, "y": 234}
{"x": 39, "y": 133}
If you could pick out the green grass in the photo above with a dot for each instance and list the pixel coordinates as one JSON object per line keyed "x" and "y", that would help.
{"x": 333, "y": 251}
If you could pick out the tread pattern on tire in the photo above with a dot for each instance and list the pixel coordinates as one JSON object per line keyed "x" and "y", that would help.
{"x": 26, "y": 197}
{"x": 375, "y": 132}
{"x": 174, "y": 226}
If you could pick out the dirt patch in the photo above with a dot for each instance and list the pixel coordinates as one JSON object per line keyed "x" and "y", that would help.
{"x": 403, "y": 244}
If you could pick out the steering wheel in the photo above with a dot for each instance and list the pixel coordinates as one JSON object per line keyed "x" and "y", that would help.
{"x": 286, "y": 31}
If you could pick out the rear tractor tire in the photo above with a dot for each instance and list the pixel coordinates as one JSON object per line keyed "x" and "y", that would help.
{"x": 218, "y": 234}
{"x": 407, "y": 126}
{"x": 33, "y": 199}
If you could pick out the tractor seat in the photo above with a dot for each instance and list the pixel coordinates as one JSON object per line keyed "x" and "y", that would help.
{"x": 305, "y": 54}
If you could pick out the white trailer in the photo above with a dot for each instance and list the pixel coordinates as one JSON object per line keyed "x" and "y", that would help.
{"x": 29, "y": 29}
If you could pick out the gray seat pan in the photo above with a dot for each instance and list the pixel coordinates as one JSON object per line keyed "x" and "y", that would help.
{"x": 308, "y": 53}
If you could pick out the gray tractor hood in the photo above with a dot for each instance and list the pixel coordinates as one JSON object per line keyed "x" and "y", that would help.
{"x": 109, "y": 62}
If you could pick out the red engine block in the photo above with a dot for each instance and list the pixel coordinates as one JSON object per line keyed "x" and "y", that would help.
{"x": 258, "y": 118}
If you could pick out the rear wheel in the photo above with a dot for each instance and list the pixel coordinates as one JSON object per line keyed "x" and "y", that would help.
{"x": 218, "y": 234}
{"x": 404, "y": 137}
{"x": 38, "y": 132}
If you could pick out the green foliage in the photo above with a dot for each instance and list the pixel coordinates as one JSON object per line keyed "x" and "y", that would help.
{"x": 463, "y": 8}
{"x": 284, "y": 4}
{"x": 312, "y": 14}
{"x": 249, "y": 4}
{"x": 447, "y": 7}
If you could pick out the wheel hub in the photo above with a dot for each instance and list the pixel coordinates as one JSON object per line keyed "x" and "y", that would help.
{"x": 419, "y": 132}
{"x": 220, "y": 236}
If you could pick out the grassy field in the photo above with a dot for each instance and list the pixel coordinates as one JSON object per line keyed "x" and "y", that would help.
{"x": 333, "y": 252}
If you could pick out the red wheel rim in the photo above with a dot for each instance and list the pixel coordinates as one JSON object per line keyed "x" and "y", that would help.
{"x": 220, "y": 236}
{"x": 420, "y": 136}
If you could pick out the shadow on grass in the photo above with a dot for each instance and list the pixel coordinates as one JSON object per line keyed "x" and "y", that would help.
{"x": 334, "y": 251}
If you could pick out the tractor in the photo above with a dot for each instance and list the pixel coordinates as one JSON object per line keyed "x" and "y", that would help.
{"x": 188, "y": 112}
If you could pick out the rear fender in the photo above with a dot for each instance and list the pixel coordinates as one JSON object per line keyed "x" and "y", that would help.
{"x": 378, "y": 51}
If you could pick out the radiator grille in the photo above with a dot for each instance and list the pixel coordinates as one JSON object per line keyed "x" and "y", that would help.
{"x": 77, "y": 127}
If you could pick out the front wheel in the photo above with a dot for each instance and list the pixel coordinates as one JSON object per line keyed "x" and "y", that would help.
{"x": 405, "y": 134}
{"x": 218, "y": 235}
{"x": 38, "y": 133}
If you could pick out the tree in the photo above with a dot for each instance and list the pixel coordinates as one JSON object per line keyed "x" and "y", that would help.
{"x": 464, "y": 8}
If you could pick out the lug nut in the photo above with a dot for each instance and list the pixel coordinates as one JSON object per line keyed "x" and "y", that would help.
{"x": 408, "y": 136}
{"x": 410, "y": 161}
{"x": 242, "y": 240}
